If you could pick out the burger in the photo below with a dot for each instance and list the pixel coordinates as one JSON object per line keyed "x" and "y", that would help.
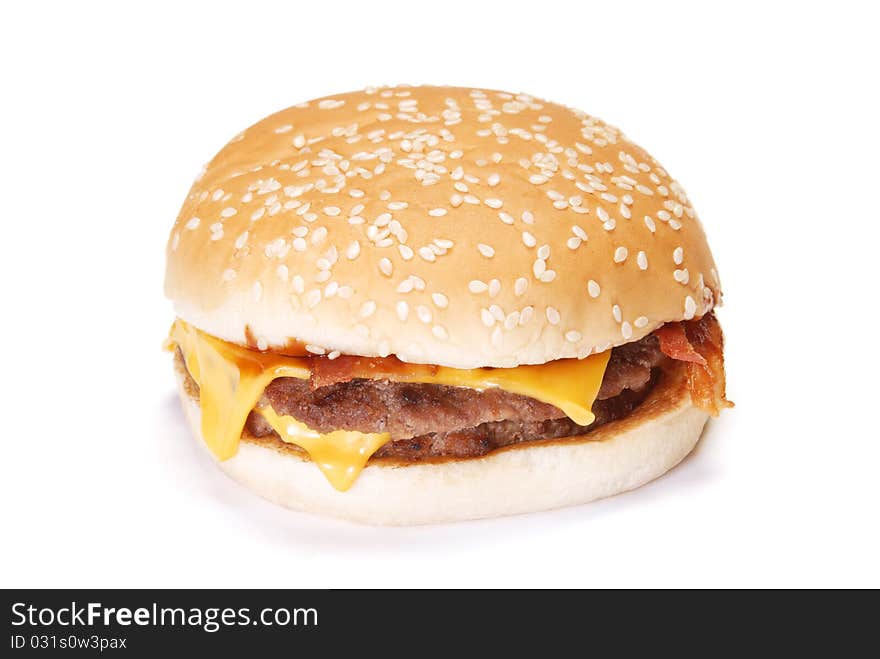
{"x": 410, "y": 305}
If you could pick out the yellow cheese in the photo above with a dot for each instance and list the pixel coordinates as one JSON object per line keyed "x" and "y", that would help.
{"x": 340, "y": 454}
{"x": 232, "y": 379}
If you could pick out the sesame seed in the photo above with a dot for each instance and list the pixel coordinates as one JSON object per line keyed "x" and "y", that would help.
{"x": 528, "y": 239}
{"x": 678, "y": 255}
{"x": 615, "y": 311}
{"x": 553, "y": 316}
{"x": 299, "y": 284}
{"x": 572, "y": 336}
{"x": 440, "y": 332}
{"x": 641, "y": 321}
{"x": 690, "y": 307}
{"x": 649, "y": 222}
{"x": 506, "y": 217}
{"x": 486, "y": 250}
{"x": 544, "y": 252}
{"x": 573, "y": 243}
{"x": 476, "y": 286}
{"x": 494, "y": 287}
{"x": 424, "y": 314}
{"x": 437, "y": 212}
{"x": 228, "y": 212}
{"x": 626, "y": 330}
{"x": 353, "y": 250}
{"x": 313, "y": 297}
{"x": 427, "y": 254}
{"x": 368, "y": 308}
{"x": 520, "y": 286}
{"x": 537, "y": 179}
{"x": 332, "y": 211}
{"x": 440, "y": 300}
{"x": 406, "y": 252}
{"x": 402, "y": 309}
{"x": 486, "y": 317}
{"x": 642, "y": 260}
{"x": 681, "y": 276}
{"x": 620, "y": 254}
{"x": 493, "y": 180}
{"x": 193, "y": 223}
{"x": 593, "y": 289}
{"x": 282, "y": 272}
{"x": 330, "y": 104}
{"x": 527, "y": 217}
{"x": 405, "y": 286}
{"x": 385, "y": 267}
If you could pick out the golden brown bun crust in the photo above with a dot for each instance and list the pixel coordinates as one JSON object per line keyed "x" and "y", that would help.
{"x": 444, "y": 225}
{"x": 521, "y": 478}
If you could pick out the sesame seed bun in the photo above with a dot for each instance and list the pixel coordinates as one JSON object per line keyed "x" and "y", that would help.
{"x": 538, "y": 475}
{"x": 443, "y": 225}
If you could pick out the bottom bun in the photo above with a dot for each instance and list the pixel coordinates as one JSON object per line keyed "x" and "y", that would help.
{"x": 520, "y": 478}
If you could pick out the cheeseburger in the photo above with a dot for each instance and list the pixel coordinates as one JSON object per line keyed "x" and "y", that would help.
{"x": 420, "y": 304}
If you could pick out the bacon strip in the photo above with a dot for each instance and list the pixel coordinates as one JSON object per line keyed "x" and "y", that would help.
{"x": 674, "y": 343}
{"x": 701, "y": 344}
{"x": 349, "y": 367}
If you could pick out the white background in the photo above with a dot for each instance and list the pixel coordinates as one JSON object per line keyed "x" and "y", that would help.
{"x": 766, "y": 113}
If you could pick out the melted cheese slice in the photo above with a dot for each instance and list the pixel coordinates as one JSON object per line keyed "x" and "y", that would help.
{"x": 232, "y": 379}
{"x": 340, "y": 454}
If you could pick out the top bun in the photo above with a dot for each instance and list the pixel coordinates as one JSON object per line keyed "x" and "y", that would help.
{"x": 444, "y": 225}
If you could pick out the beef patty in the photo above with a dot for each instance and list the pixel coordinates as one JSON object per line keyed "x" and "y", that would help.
{"x": 429, "y": 420}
